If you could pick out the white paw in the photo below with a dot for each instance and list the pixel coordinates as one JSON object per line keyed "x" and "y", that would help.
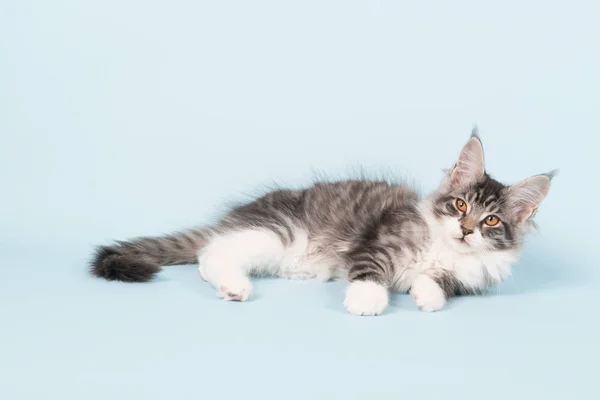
{"x": 428, "y": 295}
{"x": 237, "y": 288}
{"x": 366, "y": 298}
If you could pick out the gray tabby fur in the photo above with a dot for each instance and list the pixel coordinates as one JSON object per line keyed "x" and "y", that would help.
{"x": 363, "y": 231}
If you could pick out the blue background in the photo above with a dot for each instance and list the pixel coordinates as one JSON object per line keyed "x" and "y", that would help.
{"x": 125, "y": 118}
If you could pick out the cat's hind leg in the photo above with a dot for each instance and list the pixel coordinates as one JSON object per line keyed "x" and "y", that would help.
{"x": 228, "y": 258}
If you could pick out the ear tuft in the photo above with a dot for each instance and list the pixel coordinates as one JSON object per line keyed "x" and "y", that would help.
{"x": 475, "y": 133}
{"x": 552, "y": 174}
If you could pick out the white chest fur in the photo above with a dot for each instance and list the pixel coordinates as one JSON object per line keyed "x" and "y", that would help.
{"x": 472, "y": 269}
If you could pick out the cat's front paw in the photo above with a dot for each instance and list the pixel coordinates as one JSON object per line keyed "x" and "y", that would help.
{"x": 366, "y": 298}
{"x": 235, "y": 288}
{"x": 428, "y": 295}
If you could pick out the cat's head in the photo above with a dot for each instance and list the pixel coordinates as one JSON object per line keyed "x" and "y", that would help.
{"x": 476, "y": 213}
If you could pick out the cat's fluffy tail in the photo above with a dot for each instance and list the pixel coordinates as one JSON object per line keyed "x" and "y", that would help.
{"x": 138, "y": 260}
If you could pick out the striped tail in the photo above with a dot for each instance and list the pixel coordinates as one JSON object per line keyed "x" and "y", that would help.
{"x": 138, "y": 260}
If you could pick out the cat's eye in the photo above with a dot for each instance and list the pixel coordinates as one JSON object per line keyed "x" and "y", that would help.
{"x": 461, "y": 205}
{"x": 492, "y": 220}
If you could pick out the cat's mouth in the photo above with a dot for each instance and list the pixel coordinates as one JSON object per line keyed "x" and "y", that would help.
{"x": 461, "y": 245}
{"x": 462, "y": 240}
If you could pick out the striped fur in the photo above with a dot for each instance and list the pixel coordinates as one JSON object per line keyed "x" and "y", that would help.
{"x": 139, "y": 259}
{"x": 379, "y": 233}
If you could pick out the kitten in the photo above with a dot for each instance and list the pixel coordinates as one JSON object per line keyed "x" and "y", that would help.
{"x": 461, "y": 239}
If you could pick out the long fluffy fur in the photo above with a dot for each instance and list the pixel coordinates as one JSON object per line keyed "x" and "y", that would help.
{"x": 379, "y": 235}
{"x": 138, "y": 260}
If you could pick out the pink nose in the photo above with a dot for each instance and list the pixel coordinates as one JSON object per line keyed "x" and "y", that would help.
{"x": 466, "y": 231}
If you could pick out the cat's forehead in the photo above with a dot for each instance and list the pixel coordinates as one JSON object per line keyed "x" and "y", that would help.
{"x": 486, "y": 193}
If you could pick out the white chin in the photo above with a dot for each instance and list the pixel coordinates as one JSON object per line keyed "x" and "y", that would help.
{"x": 461, "y": 246}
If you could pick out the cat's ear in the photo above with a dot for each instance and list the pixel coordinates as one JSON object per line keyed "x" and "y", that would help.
{"x": 525, "y": 197}
{"x": 470, "y": 166}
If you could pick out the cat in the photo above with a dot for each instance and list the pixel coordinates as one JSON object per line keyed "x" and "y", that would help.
{"x": 380, "y": 237}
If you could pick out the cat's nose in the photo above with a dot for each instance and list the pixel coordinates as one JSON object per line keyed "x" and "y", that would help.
{"x": 466, "y": 231}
